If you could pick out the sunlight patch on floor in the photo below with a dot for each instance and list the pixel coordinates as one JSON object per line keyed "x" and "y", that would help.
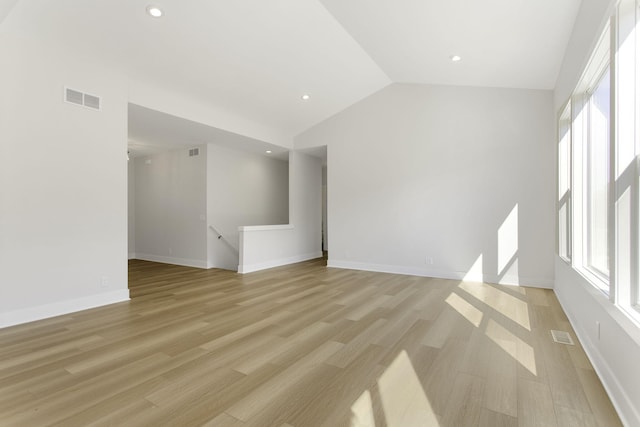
{"x": 522, "y": 352}
{"x": 362, "y": 411}
{"x": 403, "y": 398}
{"x": 467, "y": 310}
{"x": 404, "y": 402}
{"x": 508, "y": 305}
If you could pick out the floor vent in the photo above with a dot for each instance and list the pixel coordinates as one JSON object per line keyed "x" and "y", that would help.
{"x": 562, "y": 337}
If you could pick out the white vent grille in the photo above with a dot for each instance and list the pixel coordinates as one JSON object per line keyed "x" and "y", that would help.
{"x": 194, "y": 152}
{"x": 91, "y": 101}
{"x": 84, "y": 99}
{"x": 562, "y": 337}
{"x": 73, "y": 96}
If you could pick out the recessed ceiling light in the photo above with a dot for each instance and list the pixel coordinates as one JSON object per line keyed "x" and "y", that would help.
{"x": 455, "y": 58}
{"x": 268, "y": 151}
{"x": 154, "y": 11}
{"x": 305, "y": 97}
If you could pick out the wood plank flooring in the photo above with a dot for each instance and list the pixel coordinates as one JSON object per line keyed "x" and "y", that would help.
{"x": 301, "y": 345}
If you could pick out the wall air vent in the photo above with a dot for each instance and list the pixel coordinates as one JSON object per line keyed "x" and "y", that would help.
{"x": 194, "y": 152}
{"x": 73, "y": 96}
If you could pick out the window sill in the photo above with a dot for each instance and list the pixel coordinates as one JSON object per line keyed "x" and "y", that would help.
{"x": 633, "y": 313}
{"x": 595, "y": 280}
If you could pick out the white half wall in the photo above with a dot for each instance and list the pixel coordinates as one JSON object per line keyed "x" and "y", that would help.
{"x": 63, "y": 180}
{"x": 263, "y": 247}
{"x": 243, "y": 189}
{"x": 442, "y": 181}
{"x": 271, "y": 246}
{"x": 170, "y": 207}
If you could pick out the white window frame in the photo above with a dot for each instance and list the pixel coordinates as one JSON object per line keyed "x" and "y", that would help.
{"x": 617, "y": 50}
{"x": 627, "y": 161}
{"x": 565, "y": 120}
{"x": 601, "y": 279}
{"x": 581, "y": 98}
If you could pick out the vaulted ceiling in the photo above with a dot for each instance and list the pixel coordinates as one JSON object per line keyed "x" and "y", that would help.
{"x": 256, "y": 58}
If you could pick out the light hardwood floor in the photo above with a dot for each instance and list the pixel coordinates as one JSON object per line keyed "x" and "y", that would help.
{"x": 302, "y": 345}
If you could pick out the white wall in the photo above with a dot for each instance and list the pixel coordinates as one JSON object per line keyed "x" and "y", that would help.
{"x": 63, "y": 203}
{"x": 170, "y": 207}
{"x": 63, "y": 173}
{"x": 242, "y": 189}
{"x": 5, "y": 8}
{"x": 305, "y": 208}
{"x": 265, "y": 247}
{"x": 419, "y": 173}
{"x": 325, "y": 230}
{"x": 143, "y": 91}
{"x": 615, "y": 355}
{"x": 131, "y": 207}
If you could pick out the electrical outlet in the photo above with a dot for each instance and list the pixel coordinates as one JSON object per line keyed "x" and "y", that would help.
{"x": 170, "y": 251}
{"x": 429, "y": 260}
{"x": 104, "y": 282}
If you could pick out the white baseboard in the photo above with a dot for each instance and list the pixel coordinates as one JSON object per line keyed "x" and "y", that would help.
{"x": 132, "y": 255}
{"x": 197, "y": 263}
{"x": 45, "y": 311}
{"x": 250, "y": 268}
{"x": 440, "y": 274}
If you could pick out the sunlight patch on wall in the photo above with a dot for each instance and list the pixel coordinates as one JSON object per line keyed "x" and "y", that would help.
{"x": 468, "y": 311}
{"x": 475, "y": 273}
{"x": 508, "y": 240}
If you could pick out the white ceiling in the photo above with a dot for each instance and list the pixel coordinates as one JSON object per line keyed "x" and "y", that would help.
{"x": 503, "y": 43}
{"x": 255, "y": 58}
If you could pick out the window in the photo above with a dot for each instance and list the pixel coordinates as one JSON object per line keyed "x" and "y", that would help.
{"x": 564, "y": 183}
{"x": 598, "y": 200}
{"x": 597, "y": 178}
{"x": 591, "y": 128}
{"x": 626, "y": 149}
